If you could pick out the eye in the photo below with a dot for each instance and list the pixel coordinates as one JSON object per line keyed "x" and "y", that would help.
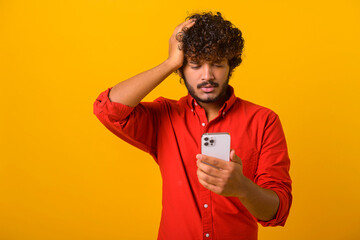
{"x": 219, "y": 65}
{"x": 195, "y": 66}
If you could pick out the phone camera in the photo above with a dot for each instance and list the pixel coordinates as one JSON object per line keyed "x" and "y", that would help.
{"x": 209, "y": 141}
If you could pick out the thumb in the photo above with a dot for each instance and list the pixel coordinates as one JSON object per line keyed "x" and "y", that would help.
{"x": 234, "y": 157}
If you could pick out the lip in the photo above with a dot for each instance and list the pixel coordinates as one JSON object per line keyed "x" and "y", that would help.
{"x": 208, "y": 89}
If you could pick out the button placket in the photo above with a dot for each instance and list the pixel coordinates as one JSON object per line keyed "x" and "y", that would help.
{"x": 207, "y": 222}
{"x": 202, "y": 118}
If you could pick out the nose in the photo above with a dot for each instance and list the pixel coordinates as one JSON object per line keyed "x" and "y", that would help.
{"x": 207, "y": 72}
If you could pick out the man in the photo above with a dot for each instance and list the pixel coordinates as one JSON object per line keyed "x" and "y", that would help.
{"x": 205, "y": 197}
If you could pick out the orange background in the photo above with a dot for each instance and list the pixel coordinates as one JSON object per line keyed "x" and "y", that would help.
{"x": 64, "y": 176}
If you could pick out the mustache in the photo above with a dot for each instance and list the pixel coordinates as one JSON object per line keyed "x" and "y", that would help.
{"x": 203, "y": 84}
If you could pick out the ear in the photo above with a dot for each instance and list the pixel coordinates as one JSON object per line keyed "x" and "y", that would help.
{"x": 179, "y": 73}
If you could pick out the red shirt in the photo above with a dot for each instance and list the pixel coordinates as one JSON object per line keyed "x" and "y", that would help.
{"x": 171, "y": 131}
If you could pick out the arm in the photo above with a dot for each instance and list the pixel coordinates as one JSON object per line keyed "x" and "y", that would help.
{"x": 227, "y": 179}
{"x": 262, "y": 203}
{"x": 131, "y": 91}
{"x": 115, "y": 107}
{"x": 268, "y": 197}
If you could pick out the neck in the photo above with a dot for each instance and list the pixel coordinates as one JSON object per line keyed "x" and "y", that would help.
{"x": 212, "y": 109}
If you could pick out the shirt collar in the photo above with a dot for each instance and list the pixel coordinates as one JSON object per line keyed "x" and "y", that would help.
{"x": 227, "y": 105}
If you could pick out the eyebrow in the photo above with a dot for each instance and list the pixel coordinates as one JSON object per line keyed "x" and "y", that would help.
{"x": 220, "y": 61}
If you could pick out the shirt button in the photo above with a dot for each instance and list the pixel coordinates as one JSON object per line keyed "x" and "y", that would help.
{"x": 192, "y": 110}
{"x": 207, "y": 235}
{"x": 223, "y": 113}
{"x": 206, "y": 206}
{"x": 203, "y": 124}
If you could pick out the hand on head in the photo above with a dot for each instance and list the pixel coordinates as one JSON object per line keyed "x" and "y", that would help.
{"x": 176, "y": 55}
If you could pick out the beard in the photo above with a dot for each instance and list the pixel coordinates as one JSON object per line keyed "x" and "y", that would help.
{"x": 222, "y": 94}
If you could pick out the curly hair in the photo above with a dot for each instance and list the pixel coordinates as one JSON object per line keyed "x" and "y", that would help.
{"x": 212, "y": 39}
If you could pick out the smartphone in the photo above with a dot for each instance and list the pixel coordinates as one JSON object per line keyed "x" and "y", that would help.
{"x": 216, "y": 145}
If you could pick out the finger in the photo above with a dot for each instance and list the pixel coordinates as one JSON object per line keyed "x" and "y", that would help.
{"x": 181, "y": 25}
{"x": 189, "y": 24}
{"x": 179, "y": 31}
{"x": 210, "y": 170}
{"x": 216, "y": 162}
{"x": 185, "y": 26}
{"x": 208, "y": 178}
{"x": 234, "y": 157}
{"x": 210, "y": 187}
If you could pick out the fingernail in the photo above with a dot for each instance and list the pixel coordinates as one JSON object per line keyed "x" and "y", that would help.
{"x": 198, "y": 156}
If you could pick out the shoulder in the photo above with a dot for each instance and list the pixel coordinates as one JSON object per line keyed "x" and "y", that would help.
{"x": 252, "y": 110}
{"x": 171, "y": 103}
{"x": 164, "y": 100}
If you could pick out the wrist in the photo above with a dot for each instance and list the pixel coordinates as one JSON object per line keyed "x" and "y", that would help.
{"x": 172, "y": 64}
{"x": 244, "y": 190}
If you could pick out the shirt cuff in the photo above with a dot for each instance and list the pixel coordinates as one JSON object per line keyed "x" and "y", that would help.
{"x": 117, "y": 111}
{"x": 282, "y": 212}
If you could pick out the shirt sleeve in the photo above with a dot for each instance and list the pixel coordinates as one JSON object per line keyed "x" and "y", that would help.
{"x": 273, "y": 168}
{"x": 135, "y": 125}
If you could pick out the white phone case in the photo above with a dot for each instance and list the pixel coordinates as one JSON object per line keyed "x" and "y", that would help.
{"x": 216, "y": 145}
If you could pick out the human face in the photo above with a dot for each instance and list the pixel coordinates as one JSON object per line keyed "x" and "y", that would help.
{"x": 207, "y": 82}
